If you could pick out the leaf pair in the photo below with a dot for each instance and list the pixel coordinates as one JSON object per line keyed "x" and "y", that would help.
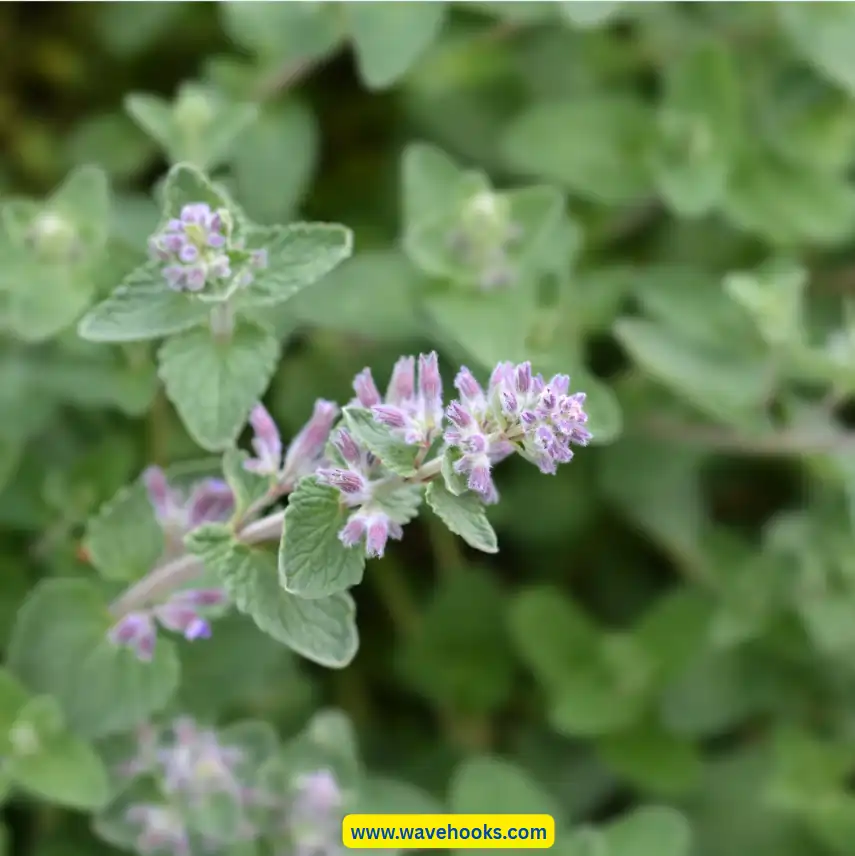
{"x": 215, "y": 380}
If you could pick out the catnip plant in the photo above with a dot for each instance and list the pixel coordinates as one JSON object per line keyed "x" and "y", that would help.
{"x": 286, "y": 533}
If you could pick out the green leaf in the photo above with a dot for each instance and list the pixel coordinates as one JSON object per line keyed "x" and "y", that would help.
{"x": 279, "y": 150}
{"x": 214, "y": 383}
{"x": 773, "y": 296}
{"x": 606, "y": 693}
{"x": 786, "y": 204}
{"x": 142, "y": 307}
{"x": 372, "y": 295}
{"x": 389, "y": 39}
{"x": 489, "y": 785}
{"x": 186, "y": 184}
{"x": 54, "y": 765}
{"x": 649, "y": 831}
{"x": 200, "y": 127}
{"x": 822, "y": 34}
{"x": 298, "y": 256}
{"x": 698, "y": 130}
{"x": 431, "y": 183}
{"x": 13, "y": 699}
{"x": 464, "y": 515}
{"x": 714, "y": 380}
{"x": 483, "y": 220}
{"x": 280, "y": 32}
{"x": 112, "y": 141}
{"x": 313, "y": 562}
{"x": 651, "y": 759}
{"x": 551, "y": 634}
{"x": 398, "y": 456}
{"x": 459, "y": 656}
{"x": 39, "y": 301}
{"x": 488, "y": 328}
{"x": 124, "y": 540}
{"x": 586, "y": 14}
{"x": 322, "y": 629}
{"x": 59, "y": 646}
{"x": 382, "y": 795}
{"x": 247, "y": 487}
{"x": 594, "y": 146}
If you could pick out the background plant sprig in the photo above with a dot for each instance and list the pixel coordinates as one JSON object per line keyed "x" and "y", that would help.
{"x": 653, "y": 644}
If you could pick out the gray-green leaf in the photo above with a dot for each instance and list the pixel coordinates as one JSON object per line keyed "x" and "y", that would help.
{"x": 59, "y": 646}
{"x": 389, "y": 38}
{"x": 214, "y": 383}
{"x": 312, "y": 561}
{"x": 142, "y": 307}
{"x": 321, "y": 629}
{"x": 464, "y": 515}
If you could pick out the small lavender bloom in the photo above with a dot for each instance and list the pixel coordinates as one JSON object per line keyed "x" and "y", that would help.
{"x": 306, "y": 451}
{"x": 211, "y": 501}
{"x": 163, "y": 830}
{"x": 366, "y": 390}
{"x": 266, "y": 443}
{"x": 193, "y": 248}
{"x": 163, "y": 499}
{"x": 197, "y": 764}
{"x": 182, "y": 618}
{"x": 315, "y": 814}
{"x": 349, "y": 482}
{"x": 136, "y": 631}
{"x": 375, "y": 527}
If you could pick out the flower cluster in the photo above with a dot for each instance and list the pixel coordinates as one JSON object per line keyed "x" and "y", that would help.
{"x": 195, "y": 249}
{"x": 192, "y": 764}
{"x": 483, "y": 238}
{"x": 210, "y": 501}
{"x": 182, "y": 613}
{"x": 314, "y": 814}
{"x": 519, "y": 412}
{"x": 412, "y": 411}
{"x": 161, "y": 829}
{"x": 303, "y": 456}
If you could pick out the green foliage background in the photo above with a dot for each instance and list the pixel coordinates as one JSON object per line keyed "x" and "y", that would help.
{"x": 661, "y": 652}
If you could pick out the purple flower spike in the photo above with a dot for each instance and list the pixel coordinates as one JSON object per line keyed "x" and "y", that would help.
{"x": 267, "y": 443}
{"x": 347, "y": 481}
{"x": 137, "y": 632}
{"x": 519, "y": 412}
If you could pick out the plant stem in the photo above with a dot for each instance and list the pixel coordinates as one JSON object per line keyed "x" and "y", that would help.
{"x": 176, "y": 573}
{"x": 179, "y": 571}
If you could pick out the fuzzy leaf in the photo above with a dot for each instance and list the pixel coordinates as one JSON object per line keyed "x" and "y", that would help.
{"x": 464, "y": 515}
{"x": 322, "y": 629}
{"x": 142, "y": 307}
{"x": 59, "y": 646}
{"x": 215, "y": 383}
{"x": 298, "y": 256}
{"x": 390, "y": 38}
{"x": 312, "y": 561}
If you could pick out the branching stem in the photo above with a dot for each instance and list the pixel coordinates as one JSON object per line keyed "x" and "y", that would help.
{"x": 178, "y": 572}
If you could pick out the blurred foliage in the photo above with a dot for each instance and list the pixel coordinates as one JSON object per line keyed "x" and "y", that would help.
{"x": 660, "y": 652}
